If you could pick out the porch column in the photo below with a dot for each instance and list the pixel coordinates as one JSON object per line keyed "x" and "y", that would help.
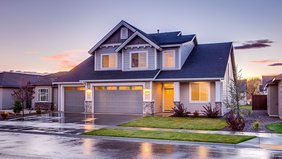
{"x": 176, "y": 94}
{"x": 148, "y": 103}
{"x": 88, "y": 99}
{"x": 218, "y": 96}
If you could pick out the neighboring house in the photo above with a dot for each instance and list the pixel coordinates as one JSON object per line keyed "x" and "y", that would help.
{"x": 243, "y": 91}
{"x": 132, "y": 72}
{"x": 274, "y": 97}
{"x": 11, "y": 81}
{"x": 264, "y": 81}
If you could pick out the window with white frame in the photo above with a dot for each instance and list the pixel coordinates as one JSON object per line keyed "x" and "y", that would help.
{"x": 123, "y": 33}
{"x": 139, "y": 60}
{"x": 109, "y": 61}
{"x": 43, "y": 95}
{"x": 169, "y": 59}
{"x": 199, "y": 91}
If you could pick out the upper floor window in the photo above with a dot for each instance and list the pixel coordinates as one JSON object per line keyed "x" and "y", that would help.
{"x": 169, "y": 59}
{"x": 43, "y": 95}
{"x": 139, "y": 60}
{"x": 109, "y": 61}
{"x": 199, "y": 91}
{"x": 123, "y": 33}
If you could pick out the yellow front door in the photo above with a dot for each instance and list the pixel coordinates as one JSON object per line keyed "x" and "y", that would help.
{"x": 168, "y": 99}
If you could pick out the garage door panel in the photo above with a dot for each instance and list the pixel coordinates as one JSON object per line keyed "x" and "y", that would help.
{"x": 119, "y": 101}
{"x": 74, "y": 100}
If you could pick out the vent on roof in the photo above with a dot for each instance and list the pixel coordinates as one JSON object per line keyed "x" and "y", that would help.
{"x": 123, "y": 33}
{"x": 158, "y": 31}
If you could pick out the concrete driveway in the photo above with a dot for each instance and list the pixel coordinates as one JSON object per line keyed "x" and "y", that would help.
{"x": 64, "y": 123}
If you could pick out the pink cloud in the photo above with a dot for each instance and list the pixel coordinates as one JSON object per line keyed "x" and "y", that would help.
{"x": 265, "y": 61}
{"x": 67, "y": 59}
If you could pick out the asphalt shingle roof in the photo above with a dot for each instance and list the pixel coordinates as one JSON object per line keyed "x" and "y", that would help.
{"x": 169, "y": 38}
{"x": 205, "y": 61}
{"x": 16, "y": 80}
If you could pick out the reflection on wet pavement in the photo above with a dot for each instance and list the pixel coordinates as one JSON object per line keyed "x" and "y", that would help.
{"x": 48, "y": 146}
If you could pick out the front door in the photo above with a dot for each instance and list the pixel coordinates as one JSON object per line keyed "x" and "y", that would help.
{"x": 168, "y": 97}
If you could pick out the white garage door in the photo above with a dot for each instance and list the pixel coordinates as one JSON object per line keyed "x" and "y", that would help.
{"x": 74, "y": 99}
{"x": 118, "y": 99}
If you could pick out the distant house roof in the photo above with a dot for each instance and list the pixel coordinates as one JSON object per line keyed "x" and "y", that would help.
{"x": 16, "y": 80}
{"x": 205, "y": 61}
{"x": 264, "y": 81}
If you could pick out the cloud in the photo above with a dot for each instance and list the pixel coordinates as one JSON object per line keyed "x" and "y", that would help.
{"x": 255, "y": 44}
{"x": 276, "y": 64}
{"x": 265, "y": 61}
{"x": 67, "y": 59}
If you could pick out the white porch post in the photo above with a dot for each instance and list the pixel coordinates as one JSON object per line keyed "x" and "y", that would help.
{"x": 176, "y": 92}
{"x": 218, "y": 96}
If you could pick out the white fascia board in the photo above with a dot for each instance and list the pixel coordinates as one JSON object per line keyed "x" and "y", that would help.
{"x": 172, "y": 45}
{"x": 189, "y": 79}
{"x": 140, "y": 35}
{"x": 109, "y": 34}
{"x": 118, "y": 80}
{"x": 63, "y": 83}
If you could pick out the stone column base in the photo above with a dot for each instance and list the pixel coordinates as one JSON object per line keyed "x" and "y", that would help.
{"x": 148, "y": 108}
{"x": 88, "y": 107}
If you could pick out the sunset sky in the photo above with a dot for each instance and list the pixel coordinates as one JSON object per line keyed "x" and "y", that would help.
{"x": 51, "y": 36}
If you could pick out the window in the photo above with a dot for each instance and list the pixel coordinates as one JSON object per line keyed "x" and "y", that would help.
{"x": 99, "y": 88}
{"x": 43, "y": 95}
{"x": 136, "y": 88}
{"x": 123, "y": 33}
{"x": 109, "y": 61}
{"x": 199, "y": 92}
{"x": 169, "y": 59}
{"x": 111, "y": 88}
{"x": 124, "y": 88}
{"x": 139, "y": 60}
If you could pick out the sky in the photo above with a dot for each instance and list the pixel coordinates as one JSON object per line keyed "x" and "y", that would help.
{"x": 50, "y": 36}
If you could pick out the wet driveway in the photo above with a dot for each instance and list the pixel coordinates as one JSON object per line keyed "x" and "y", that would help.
{"x": 20, "y": 145}
{"x": 63, "y": 123}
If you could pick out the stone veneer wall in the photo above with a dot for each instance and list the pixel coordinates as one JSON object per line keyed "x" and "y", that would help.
{"x": 148, "y": 108}
{"x": 88, "y": 107}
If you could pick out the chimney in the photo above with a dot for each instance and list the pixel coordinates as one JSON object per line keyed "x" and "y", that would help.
{"x": 158, "y": 31}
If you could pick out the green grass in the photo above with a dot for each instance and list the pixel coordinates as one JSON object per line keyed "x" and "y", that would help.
{"x": 178, "y": 123}
{"x": 275, "y": 127}
{"x": 246, "y": 107}
{"x": 165, "y": 135}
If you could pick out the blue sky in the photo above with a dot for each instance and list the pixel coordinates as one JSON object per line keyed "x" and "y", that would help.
{"x": 50, "y": 36}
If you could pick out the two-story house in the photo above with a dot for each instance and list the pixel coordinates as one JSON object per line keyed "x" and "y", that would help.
{"x": 132, "y": 72}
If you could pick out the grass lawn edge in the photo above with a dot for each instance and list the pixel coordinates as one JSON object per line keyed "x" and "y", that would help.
{"x": 167, "y": 135}
{"x": 275, "y": 127}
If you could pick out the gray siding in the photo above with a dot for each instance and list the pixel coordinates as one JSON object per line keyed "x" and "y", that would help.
{"x": 115, "y": 38}
{"x": 150, "y": 60}
{"x": 107, "y": 50}
{"x": 176, "y": 58}
{"x": 1, "y": 98}
{"x": 192, "y": 107}
{"x": 7, "y": 98}
{"x": 272, "y": 100}
{"x": 186, "y": 49}
{"x": 280, "y": 98}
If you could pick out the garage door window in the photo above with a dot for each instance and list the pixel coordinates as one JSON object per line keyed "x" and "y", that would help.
{"x": 43, "y": 95}
{"x": 99, "y": 88}
{"x": 112, "y": 88}
{"x": 136, "y": 88}
{"x": 124, "y": 88}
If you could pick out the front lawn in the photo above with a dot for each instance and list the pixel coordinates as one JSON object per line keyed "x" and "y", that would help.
{"x": 246, "y": 107}
{"x": 165, "y": 135}
{"x": 275, "y": 127}
{"x": 178, "y": 123}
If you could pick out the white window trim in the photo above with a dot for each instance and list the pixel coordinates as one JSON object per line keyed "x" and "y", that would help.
{"x": 190, "y": 93}
{"x": 138, "y": 68}
{"x": 163, "y": 60}
{"x": 109, "y": 68}
{"x": 39, "y": 95}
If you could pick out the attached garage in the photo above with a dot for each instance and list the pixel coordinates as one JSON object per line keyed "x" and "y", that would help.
{"x": 74, "y": 99}
{"x": 118, "y": 99}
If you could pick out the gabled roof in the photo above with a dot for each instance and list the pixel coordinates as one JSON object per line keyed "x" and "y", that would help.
{"x": 16, "y": 80}
{"x": 85, "y": 71}
{"x": 205, "y": 61}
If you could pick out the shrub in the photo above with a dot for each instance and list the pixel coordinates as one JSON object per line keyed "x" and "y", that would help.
{"x": 209, "y": 112}
{"x": 180, "y": 111}
{"x": 196, "y": 113}
{"x": 38, "y": 109}
{"x": 256, "y": 125}
{"x": 235, "y": 120}
{"x": 17, "y": 107}
{"x": 4, "y": 115}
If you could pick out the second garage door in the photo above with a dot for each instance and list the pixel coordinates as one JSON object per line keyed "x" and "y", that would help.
{"x": 122, "y": 99}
